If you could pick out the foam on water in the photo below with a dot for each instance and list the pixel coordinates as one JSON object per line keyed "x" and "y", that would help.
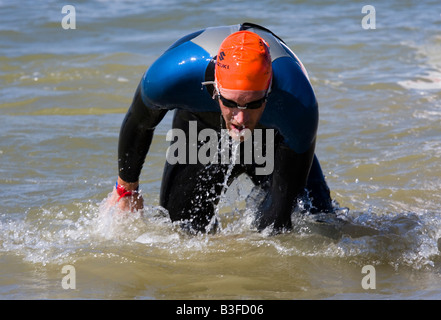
{"x": 54, "y": 235}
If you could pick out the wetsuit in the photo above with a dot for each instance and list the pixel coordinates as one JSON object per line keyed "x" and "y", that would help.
{"x": 190, "y": 192}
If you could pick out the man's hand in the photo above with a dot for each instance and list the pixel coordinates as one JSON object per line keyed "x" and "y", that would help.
{"x": 126, "y": 197}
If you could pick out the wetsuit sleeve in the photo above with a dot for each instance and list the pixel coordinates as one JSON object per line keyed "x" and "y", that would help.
{"x": 286, "y": 185}
{"x": 135, "y": 137}
{"x": 173, "y": 81}
{"x": 292, "y": 110}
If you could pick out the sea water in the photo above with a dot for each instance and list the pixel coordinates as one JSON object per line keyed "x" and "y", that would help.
{"x": 63, "y": 96}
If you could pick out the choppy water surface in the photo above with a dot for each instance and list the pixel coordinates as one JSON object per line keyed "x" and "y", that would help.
{"x": 63, "y": 95}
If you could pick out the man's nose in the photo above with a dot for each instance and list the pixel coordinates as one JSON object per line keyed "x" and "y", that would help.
{"x": 240, "y": 116}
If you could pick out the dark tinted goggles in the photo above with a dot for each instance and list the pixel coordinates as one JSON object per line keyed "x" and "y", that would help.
{"x": 250, "y": 105}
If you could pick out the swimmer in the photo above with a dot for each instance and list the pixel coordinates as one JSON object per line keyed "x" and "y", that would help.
{"x": 234, "y": 79}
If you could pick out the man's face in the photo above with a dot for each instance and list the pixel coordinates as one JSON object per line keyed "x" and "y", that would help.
{"x": 236, "y": 119}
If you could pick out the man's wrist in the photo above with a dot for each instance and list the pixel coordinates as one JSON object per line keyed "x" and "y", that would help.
{"x": 129, "y": 186}
{"x": 124, "y": 189}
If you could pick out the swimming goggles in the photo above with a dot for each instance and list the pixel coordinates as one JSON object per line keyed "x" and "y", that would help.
{"x": 250, "y": 105}
{"x": 232, "y": 104}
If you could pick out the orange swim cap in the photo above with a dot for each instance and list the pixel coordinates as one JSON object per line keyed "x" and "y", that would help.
{"x": 243, "y": 63}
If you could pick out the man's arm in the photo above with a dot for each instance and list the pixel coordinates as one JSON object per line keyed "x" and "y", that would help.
{"x": 135, "y": 137}
{"x": 287, "y": 183}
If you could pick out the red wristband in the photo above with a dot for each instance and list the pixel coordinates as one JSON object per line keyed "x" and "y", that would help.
{"x": 122, "y": 192}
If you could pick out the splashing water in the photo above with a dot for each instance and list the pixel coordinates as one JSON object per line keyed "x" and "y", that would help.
{"x": 91, "y": 236}
{"x": 57, "y": 235}
{"x": 229, "y": 199}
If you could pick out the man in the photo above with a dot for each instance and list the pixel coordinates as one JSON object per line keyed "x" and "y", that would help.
{"x": 251, "y": 78}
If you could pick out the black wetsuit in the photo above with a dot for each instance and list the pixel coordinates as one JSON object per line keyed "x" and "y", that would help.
{"x": 190, "y": 192}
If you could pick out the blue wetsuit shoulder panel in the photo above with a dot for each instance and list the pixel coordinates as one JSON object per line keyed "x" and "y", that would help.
{"x": 175, "y": 80}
